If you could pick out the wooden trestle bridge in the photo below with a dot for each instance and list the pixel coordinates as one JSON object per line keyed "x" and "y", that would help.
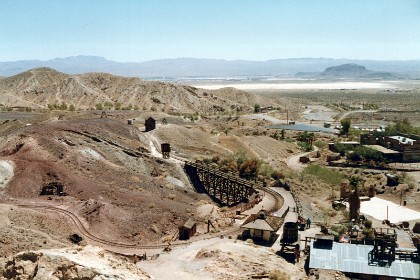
{"x": 225, "y": 188}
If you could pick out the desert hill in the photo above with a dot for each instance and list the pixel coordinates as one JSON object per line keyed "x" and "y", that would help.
{"x": 352, "y": 70}
{"x": 348, "y": 71}
{"x": 40, "y": 87}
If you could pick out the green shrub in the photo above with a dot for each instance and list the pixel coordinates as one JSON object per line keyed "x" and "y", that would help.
{"x": 325, "y": 174}
{"x": 305, "y": 146}
{"x": 320, "y": 144}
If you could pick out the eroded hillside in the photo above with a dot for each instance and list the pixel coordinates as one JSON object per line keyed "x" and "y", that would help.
{"x": 38, "y": 88}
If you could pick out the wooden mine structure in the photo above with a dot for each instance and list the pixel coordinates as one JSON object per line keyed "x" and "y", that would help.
{"x": 290, "y": 241}
{"x": 166, "y": 149}
{"x": 224, "y": 188}
{"x": 150, "y": 124}
{"x": 53, "y": 188}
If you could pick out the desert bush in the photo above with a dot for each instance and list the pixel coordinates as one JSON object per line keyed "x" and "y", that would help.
{"x": 320, "y": 144}
{"x": 278, "y": 275}
{"x": 249, "y": 169}
{"x": 108, "y": 105}
{"x": 215, "y": 159}
{"x": 305, "y": 146}
{"x": 276, "y": 175}
{"x": 265, "y": 170}
{"x": 368, "y": 223}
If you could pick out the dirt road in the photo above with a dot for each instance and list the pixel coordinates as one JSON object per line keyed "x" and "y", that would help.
{"x": 293, "y": 161}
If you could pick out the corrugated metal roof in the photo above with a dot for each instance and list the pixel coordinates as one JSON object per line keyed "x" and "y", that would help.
{"x": 354, "y": 258}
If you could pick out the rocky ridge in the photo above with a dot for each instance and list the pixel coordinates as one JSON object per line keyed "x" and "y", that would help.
{"x": 40, "y": 87}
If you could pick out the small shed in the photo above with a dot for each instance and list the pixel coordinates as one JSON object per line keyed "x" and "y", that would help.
{"x": 187, "y": 230}
{"x": 130, "y": 121}
{"x": 333, "y": 157}
{"x": 150, "y": 124}
{"x": 304, "y": 159}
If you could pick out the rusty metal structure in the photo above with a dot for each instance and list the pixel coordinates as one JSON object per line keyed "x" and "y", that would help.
{"x": 224, "y": 188}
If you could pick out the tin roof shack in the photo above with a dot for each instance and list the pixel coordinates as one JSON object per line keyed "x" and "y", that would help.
{"x": 262, "y": 226}
{"x": 359, "y": 261}
{"x": 410, "y": 148}
{"x": 187, "y": 230}
{"x": 354, "y": 260}
{"x": 150, "y": 124}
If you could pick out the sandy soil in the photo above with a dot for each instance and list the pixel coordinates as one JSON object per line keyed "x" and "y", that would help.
{"x": 303, "y": 85}
{"x": 218, "y": 259}
{"x": 377, "y": 208}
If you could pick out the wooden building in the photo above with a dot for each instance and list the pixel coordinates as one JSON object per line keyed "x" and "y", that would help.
{"x": 261, "y": 226}
{"x": 187, "y": 230}
{"x": 150, "y": 124}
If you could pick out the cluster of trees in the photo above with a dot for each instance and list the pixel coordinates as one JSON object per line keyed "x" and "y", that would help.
{"x": 247, "y": 168}
{"x": 63, "y": 107}
{"x": 116, "y": 106}
{"x": 362, "y": 153}
{"x": 402, "y": 127}
{"x": 305, "y": 140}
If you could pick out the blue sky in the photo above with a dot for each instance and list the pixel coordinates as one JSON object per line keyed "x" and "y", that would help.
{"x": 124, "y": 30}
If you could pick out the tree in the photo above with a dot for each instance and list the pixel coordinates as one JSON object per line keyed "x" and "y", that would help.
{"x": 345, "y": 123}
{"x": 99, "y": 106}
{"x": 249, "y": 169}
{"x": 117, "y": 105}
{"x": 108, "y": 105}
{"x": 282, "y": 133}
{"x": 366, "y": 154}
{"x": 354, "y": 181}
{"x": 403, "y": 126}
{"x": 307, "y": 137}
{"x": 72, "y": 108}
{"x": 257, "y": 108}
{"x": 354, "y": 204}
{"x": 63, "y": 106}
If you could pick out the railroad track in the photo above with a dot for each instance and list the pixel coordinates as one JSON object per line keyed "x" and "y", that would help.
{"x": 112, "y": 244}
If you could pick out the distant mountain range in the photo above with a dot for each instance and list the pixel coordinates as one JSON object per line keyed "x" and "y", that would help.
{"x": 196, "y": 67}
